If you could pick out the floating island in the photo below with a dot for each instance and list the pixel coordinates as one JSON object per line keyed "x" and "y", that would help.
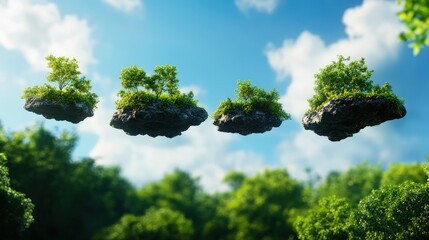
{"x": 153, "y": 105}
{"x": 346, "y": 101}
{"x": 253, "y": 111}
{"x": 72, "y": 101}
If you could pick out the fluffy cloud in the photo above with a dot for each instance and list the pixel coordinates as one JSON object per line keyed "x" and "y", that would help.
{"x": 379, "y": 145}
{"x": 372, "y": 31}
{"x": 201, "y": 150}
{"x": 38, "y": 29}
{"x": 124, "y": 5}
{"x": 267, "y": 6}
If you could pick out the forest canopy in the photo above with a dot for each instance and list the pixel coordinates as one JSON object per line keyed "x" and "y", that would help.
{"x": 77, "y": 199}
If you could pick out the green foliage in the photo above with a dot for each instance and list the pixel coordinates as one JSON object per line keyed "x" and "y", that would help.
{"x": 234, "y": 179}
{"x": 165, "y": 223}
{"x": 250, "y": 99}
{"x": 162, "y": 86}
{"x": 400, "y": 173}
{"x": 342, "y": 80}
{"x": 16, "y": 210}
{"x": 76, "y": 199}
{"x": 72, "y": 89}
{"x": 262, "y": 208}
{"x": 73, "y": 199}
{"x": 353, "y": 185}
{"x": 415, "y": 15}
{"x": 214, "y": 216}
{"x": 177, "y": 191}
{"x": 162, "y": 223}
{"x": 394, "y": 212}
{"x": 329, "y": 219}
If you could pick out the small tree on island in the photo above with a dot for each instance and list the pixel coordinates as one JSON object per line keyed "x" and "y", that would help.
{"x": 72, "y": 88}
{"x": 250, "y": 99}
{"x": 162, "y": 86}
{"x": 342, "y": 80}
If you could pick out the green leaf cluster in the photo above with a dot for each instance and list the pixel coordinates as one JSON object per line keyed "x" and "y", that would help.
{"x": 16, "y": 209}
{"x": 72, "y": 88}
{"x": 161, "y": 86}
{"x": 346, "y": 79}
{"x": 250, "y": 99}
{"x": 415, "y": 15}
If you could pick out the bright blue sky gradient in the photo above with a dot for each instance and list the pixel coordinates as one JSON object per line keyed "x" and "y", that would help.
{"x": 213, "y": 44}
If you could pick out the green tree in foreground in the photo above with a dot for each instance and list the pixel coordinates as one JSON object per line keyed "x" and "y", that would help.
{"x": 250, "y": 99}
{"x": 72, "y": 88}
{"x": 352, "y": 185}
{"x": 394, "y": 212}
{"x": 73, "y": 199}
{"x": 161, "y": 86}
{"x": 342, "y": 80}
{"x": 162, "y": 223}
{"x": 328, "y": 220}
{"x": 15, "y": 209}
{"x": 263, "y": 207}
{"x": 400, "y": 173}
{"x": 415, "y": 15}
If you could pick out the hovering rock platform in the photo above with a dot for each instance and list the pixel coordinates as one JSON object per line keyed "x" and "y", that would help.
{"x": 342, "y": 117}
{"x": 59, "y": 111}
{"x": 155, "y": 119}
{"x": 237, "y": 121}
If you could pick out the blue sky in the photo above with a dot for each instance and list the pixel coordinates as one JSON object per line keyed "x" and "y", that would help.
{"x": 275, "y": 43}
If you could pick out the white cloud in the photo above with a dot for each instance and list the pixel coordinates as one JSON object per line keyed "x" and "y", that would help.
{"x": 372, "y": 31}
{"x": 125, "y": 5}
{"x": 38, "y": 29}
{"x": 267, "y": 6}
{"x": 201, "y": 150}
{"x": 376, "y": 144}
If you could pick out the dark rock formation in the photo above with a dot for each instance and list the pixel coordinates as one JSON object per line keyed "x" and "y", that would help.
{"x": 237, "y": 121}
{"x": 342, "y": 117}
{"x": 57, "y": 110}
{"x": 157, "y": 120}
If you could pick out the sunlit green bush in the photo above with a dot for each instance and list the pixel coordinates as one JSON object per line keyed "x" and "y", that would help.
{"x": 250, "y": 99}
{"x": 342, "y": 80}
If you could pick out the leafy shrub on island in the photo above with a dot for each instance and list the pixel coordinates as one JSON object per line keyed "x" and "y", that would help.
{"x": 162, "y": 86}
{"x": 72, "y": 88}
{"x": 251, "y": 99}
{"x": 352, "y": 80}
